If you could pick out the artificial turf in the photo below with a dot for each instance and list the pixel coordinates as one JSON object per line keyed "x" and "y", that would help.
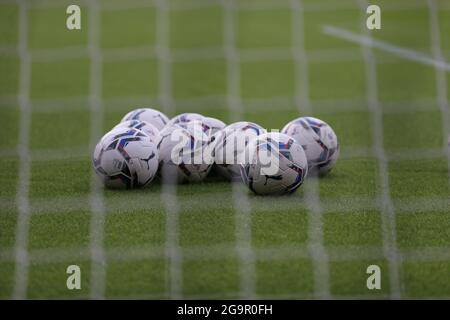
{"x": 353, "y": 216}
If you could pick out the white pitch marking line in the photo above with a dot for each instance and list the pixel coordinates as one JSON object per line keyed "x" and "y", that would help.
{"x": 169, "y": 188}
{"x": 23, "y": 185}
{"x": 368, "y": 41}
{"x": 387, "y": 208}
{"x": 98, "y": 268}
{"x": 441, "y": 80}
{"x": 241, "y": 204}
{"x": 315, "y": 230}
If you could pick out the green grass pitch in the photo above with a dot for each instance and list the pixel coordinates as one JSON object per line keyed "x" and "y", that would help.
{"x": 202, "y": 242}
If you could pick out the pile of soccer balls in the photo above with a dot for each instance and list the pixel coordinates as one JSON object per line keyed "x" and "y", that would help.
{"x": 186, "y": 148}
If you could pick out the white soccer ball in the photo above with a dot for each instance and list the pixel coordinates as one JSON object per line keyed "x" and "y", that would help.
{"x": 206, "y": 131}
{"x": 277, "y": 165}
{"x": 229, "y": 147}
{"x": 214, "y": 125}
{"x": 152, "y": 116}
{"x": 209, "y": 126}
{"x": 125, "y": 158}
{"x": 144, "y": 126}
{"x": 184, "y": 117}
{"x": 182, "y": 157}
{"x": 317, "y": 139}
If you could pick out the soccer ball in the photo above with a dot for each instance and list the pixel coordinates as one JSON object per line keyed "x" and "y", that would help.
{"x": 152, "y": 116}
{"x": 182, "y": 154}
{"x": 144, "y": 126}
{"x": 185, "y": 117}
{"x": 126, "y": 158}
{"x": 277, "y": 165}
{"x": 317, "y": 139}
{"x": 229, "y": 145}
{"x": 214, "y": 125}
{"x": 209, "y": 126}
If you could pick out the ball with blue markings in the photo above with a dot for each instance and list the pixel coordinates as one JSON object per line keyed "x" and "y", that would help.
{"x": 277, "y": 165}
{"x": 317, "y": 139}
